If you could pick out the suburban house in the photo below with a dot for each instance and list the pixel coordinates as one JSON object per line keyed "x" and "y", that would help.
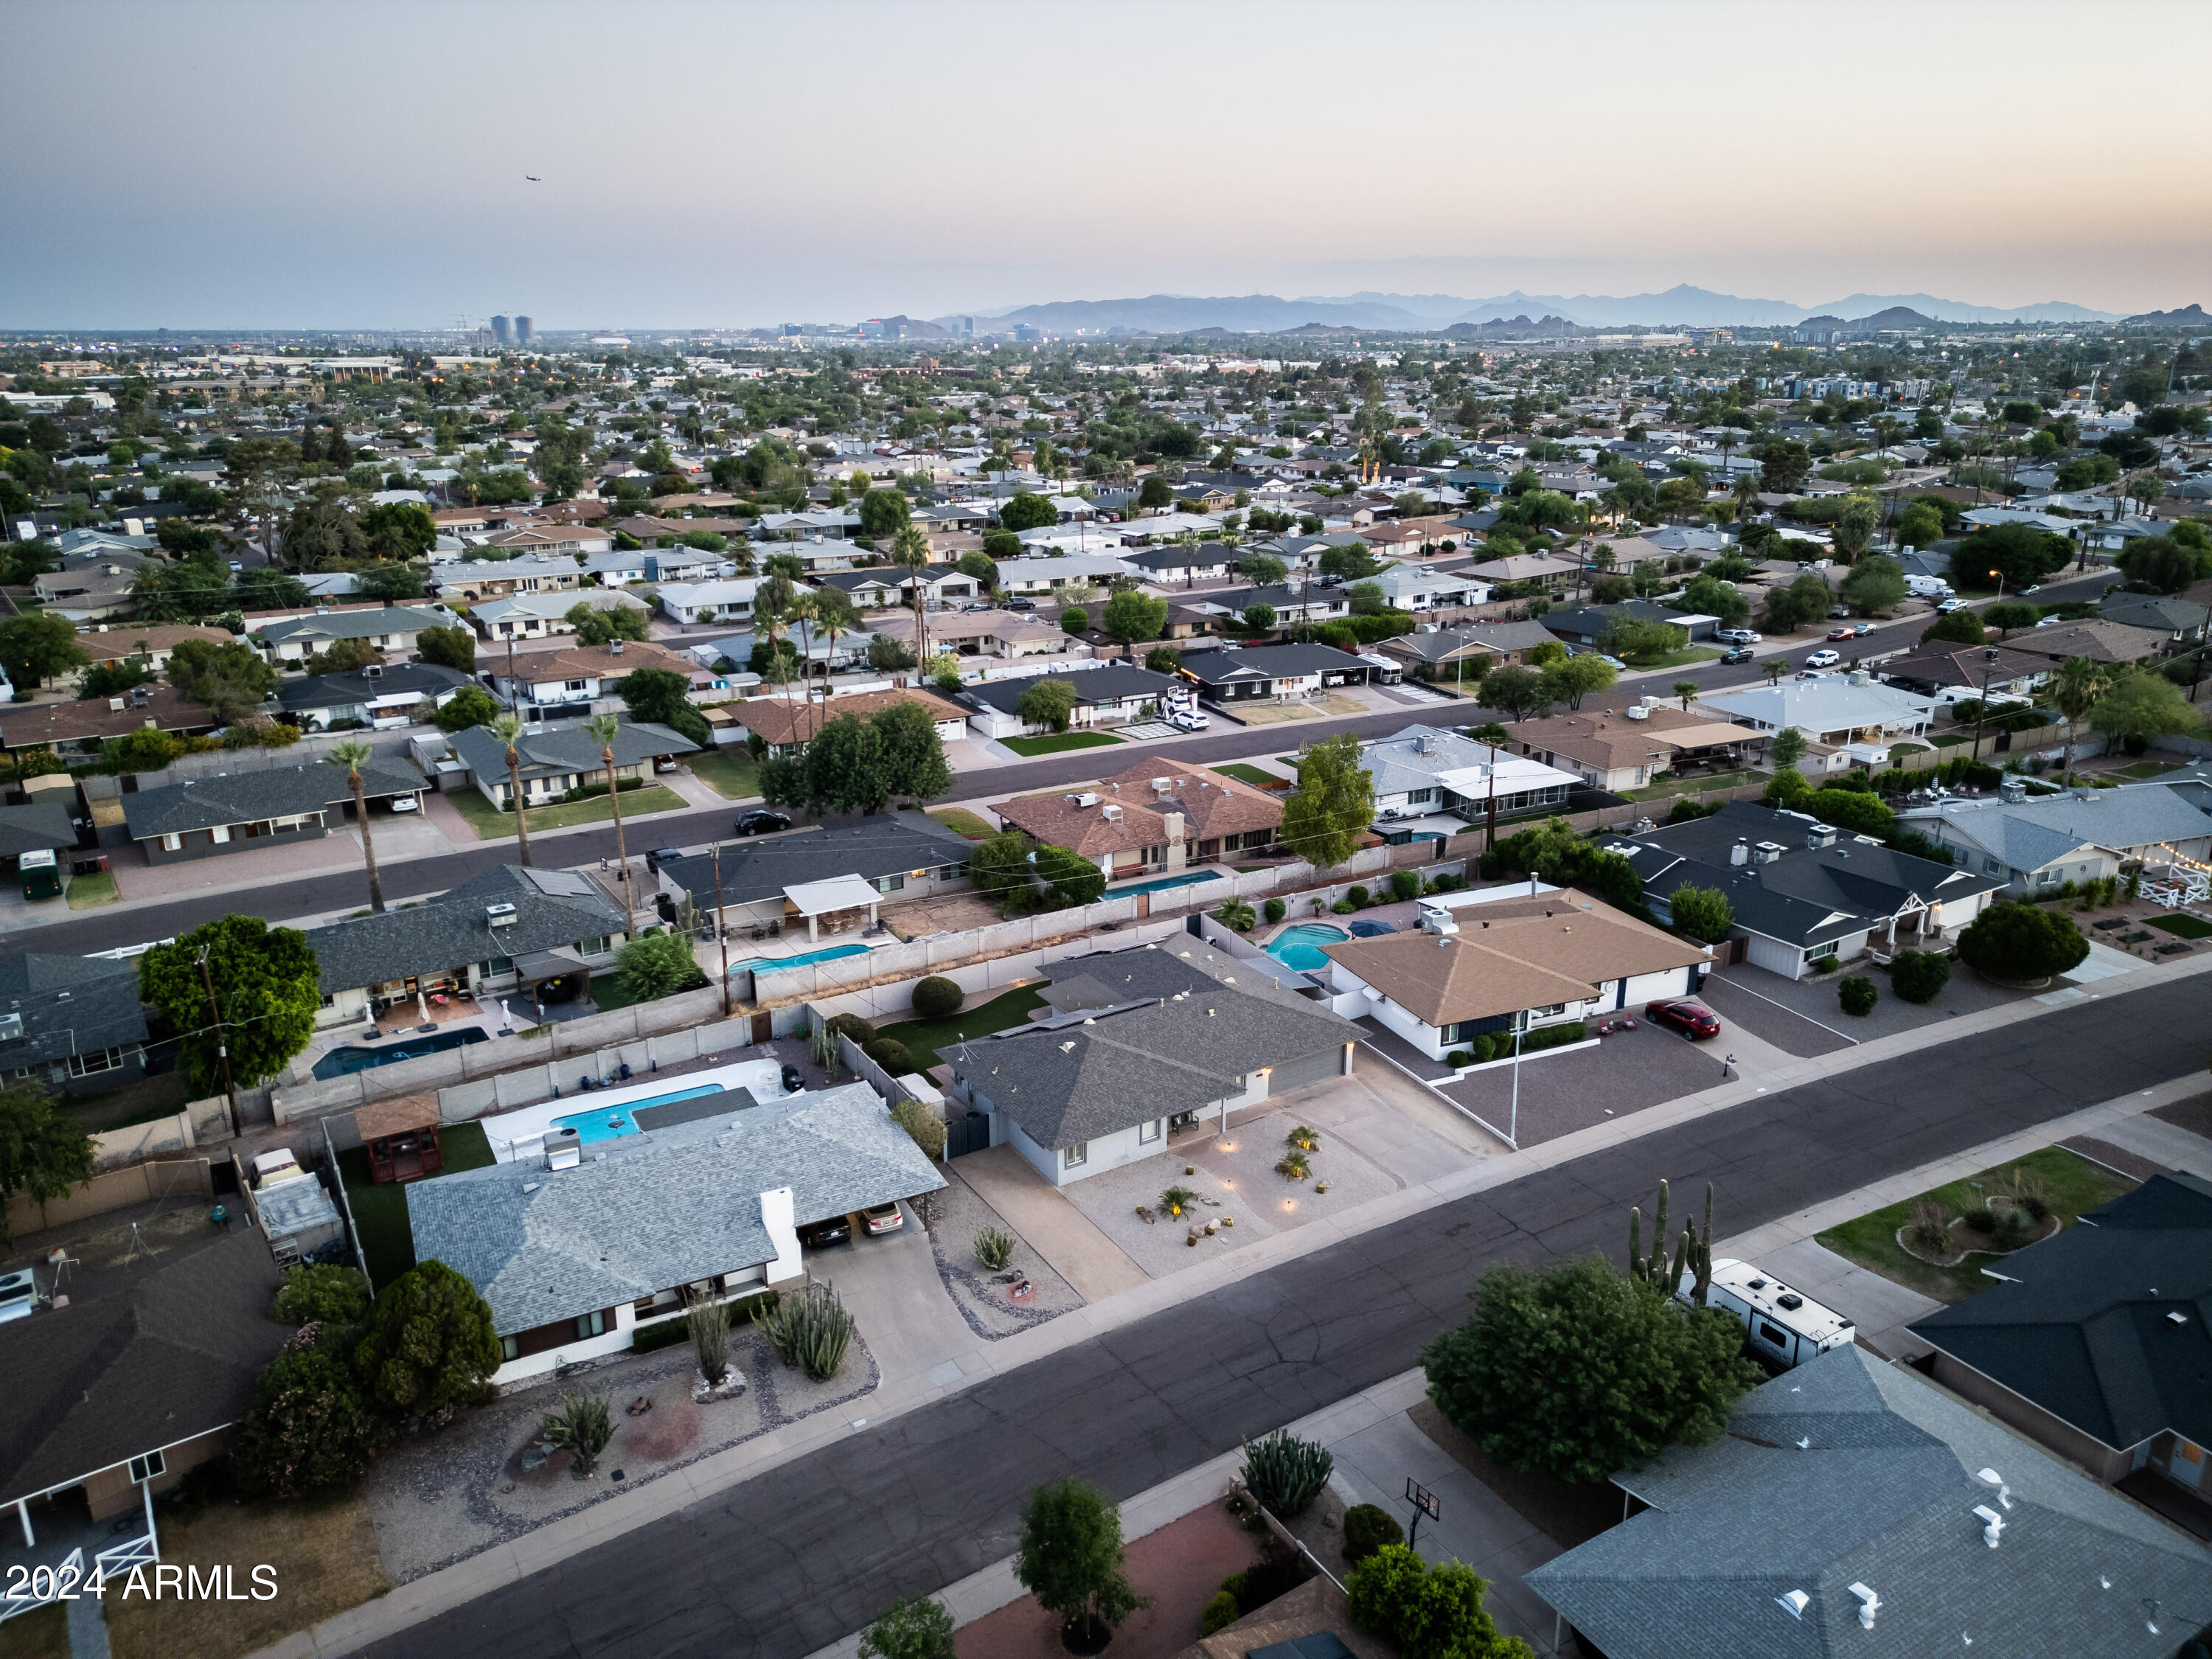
{"x": 1412, "y": 587}
{"x": 1308, "y": 603}
{"x": 89, "y": 591}
{"x": 1159, "y": 817}
{"x": 786, "y": 724}
{"x": 541, "y": 616}
{"x": 505, "y": 931}
{"x": 1540, "y": 568}
{"x": 1512, "y": 963}
{"x": 1139, "y": 1040}
{"x": 1008, "y": 633}
{"x": 2031, "y": 843}
{"x": 879, "y": 589}
{"x": 498, "y": 579}
{"x": 1427, "y": 771}
{"x": 249, "y": 811}
{"x": 1851, "y": 716}
{"x": 728, "y": 599}
{"x": 555, "y": 759}
{"x": 1108, "y": 695}
{"x": 1043, "y": 575}
{"x": 2180, "y": 620}
{"x": 42, "y": 824}
{"x": 573, "y": 1255}
{"x": 1854, "y": 1507}
{"x": 2095, "y": 1345}
{"x": 757, "y": 872}
{"x": 385, "y": 626}
{"x": 1180, "y": 563}
{"x": 137, "y": 1379}
{"x": 2112, "y": 643}
{"x": 1804, "y": 890}
{"x": 80, "y": 726}
{"x": 1275, "y": 673}
{"x": 73, "y": 1024}
{"x": 1617, "y": 749}
{"x": 570, "y": 541}
{"x": 582, "y": 674}
{"x": 1935, "y": 669}
{"x": 1590, "y": 624}
{"x": 658, "y": 564}
{"x": 150, "y": 643}
{"x": 377, "y": 696}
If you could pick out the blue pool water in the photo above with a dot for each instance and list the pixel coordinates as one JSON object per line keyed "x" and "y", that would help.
{"x": 609, "y": 1122}
{"x": 772, "y": 964}
{"x": 1164, "y": 884}
{"x": 342, "y": 1062}
{"x": 1300, "y": 947}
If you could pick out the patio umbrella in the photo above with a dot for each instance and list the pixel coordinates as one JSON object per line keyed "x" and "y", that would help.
{"x": 422, "y": 1002}
{"x": 506, "y": 1020}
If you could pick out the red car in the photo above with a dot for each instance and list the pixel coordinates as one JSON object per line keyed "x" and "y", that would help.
{"x": 1846, "y": 632}
{"x": 1693, "y": 1019}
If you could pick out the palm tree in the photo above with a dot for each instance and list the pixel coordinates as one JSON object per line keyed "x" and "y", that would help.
{"x": 2074, "y": 690}
{"x": 506, "y": 729}
{"x": 833, "y": 618}
{"x": 1687, "y": 690}
{"x": 603, "y": 729}
{"x": 910, "y": 552}
{"x": 1774, "y": 668}
{"x": 351, "y": 754}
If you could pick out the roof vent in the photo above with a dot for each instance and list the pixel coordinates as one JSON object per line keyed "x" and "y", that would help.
{"x": 1794, "y": 1602}
{"x": 1111, "y": 814}
{"x": 1991, "y": 1478}
{"x": 1870, "y": 1604}
{"x": 2176, "y": 1319}
{"x": 1740, "y": 853}
{"x": 1766, "y": 852}
{"x": 1790, "y": 1299}
{"x": 499, "y": 916}
{"x": 1067, "y": 1048}
{"x": 1992, "y": 1524}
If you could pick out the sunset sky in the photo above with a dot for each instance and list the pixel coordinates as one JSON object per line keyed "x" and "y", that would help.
{"x": 303, "y": 164}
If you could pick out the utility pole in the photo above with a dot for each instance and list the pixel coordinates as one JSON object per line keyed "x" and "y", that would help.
{"x": 721, "y": 926}
{"x": 222, "y": 1044}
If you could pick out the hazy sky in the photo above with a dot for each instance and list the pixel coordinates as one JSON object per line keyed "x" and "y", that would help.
{"x": 222, "y": 163}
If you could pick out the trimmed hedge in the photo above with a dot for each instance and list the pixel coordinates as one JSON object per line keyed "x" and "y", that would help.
{"x": 938, "y": 996}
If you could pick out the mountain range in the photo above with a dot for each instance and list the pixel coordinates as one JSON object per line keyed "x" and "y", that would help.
{"x": 1680, "y": 306}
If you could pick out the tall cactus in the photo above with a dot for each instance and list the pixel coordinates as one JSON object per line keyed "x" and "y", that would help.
{"x": 1701, "y": 1255}
{"x": 1693, "y": 1250}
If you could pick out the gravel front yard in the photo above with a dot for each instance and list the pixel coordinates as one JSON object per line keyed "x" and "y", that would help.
{"x": 955, "y": 1216}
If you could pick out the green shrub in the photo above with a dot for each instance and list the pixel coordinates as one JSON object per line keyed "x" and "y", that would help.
{"x": 338, "y": 1296}
{"x": 1826, "y": 965}
{"x": 1405, "y": 885}
{"x": 1221, "y": 1612}
{"x": 994, "y": 1248}
{"x": 937, "y": 998}
{"x": 1367, "y": 1529}
{"x": 1858, "y": 995}
{"x": 1275, "y": 909}
{"x": 850, "y": 1025}
{"x": 584, "y": 792}
{"x": 1344, "y": 906}
{"x": 308, "y": 1429}
{"x": 1977, "y": 1217}
{"x": 1548, "y": 1036}
{"x": 1358, "y": 896}
{"x": 1919, "y": 977}
{"x": 1459, "y": 1057}
{"x": 890, "y": 1053}
{"x": 1284, "y": 1473}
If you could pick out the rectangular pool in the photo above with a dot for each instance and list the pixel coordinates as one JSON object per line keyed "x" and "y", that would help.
{"x": 342, "y": 1062}
{"x": 773, "y": 964}
{"x": 1164, "y": 884}
{"x": 611, "y": 1122}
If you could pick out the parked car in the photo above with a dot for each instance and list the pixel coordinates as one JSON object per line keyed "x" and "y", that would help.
{"x": 666, "y": 764}
{"x": 1844, "y": 632}
{"x": 1836, "y": 610}
{"x": 1687, "y": 1015}
{"x": 820, "y": 1235}
{"x": 1823, "y": 660}
{"x": 1862, "y": 630}
{"x": 406, "y": 804}
{"x": 1186, "y": 719}
{"x": 1947, "y": 606}
{"x": 658, "y": 856}
{"x": 1021, "y": 605}
{"x": 1737, "y": 635}
{"x": 761, "y": 822}
{"x": 882, "y": 1218}
{"x": 1735, "y": 654}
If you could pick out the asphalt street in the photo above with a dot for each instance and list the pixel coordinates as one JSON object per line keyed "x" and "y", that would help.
{"x": 319, "y": 893}
{"x": 804, "y": 1554}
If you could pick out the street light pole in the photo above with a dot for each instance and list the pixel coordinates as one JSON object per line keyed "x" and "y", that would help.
{"x": 722, "y": 928}
{"x": 1982, "y": 710}
{"x": 221, "y": 1045}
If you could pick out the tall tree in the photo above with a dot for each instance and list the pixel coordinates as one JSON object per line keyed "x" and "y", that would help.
{"x": 42, "y": 1153}
{"x": 2073, "y": 692}
{"x": 38, "y": 646}
{"x": 353, "y": 755}
{"x": 909, "y": 552}
{"x": 603, "y": 730}
{"x": 1333, "y": 805}
{"x": 268, "y": 988}
{"x": 913, "y": 754}
{"x": 1070, "y": 1558}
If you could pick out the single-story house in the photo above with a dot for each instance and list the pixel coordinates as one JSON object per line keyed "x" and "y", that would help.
{"x": 1009, "y": 634}
{"x": 2095, "y": 1345}
{"x": 1412, "y": 587}
{"x": 572, "y": 1256}
{"x": 1540, "y": 568}
{"x": 378, "y": 695}
{"x": 538, "y": 680}
{"x": 397, "y": 628}
{"x": 42, "y": 825}
{"x": 661, "y": 564}
{"x": 1425, "y": 770}
{"x": 757, "y": 872}
{"x": 1618, "y": 748}
{"x": 247, "y": 811}
{"x": 893, "y": 585}
{"x": 1590, "y": 624}
{"x": 2099, "y": 639}
{"x": 1802, "y": 890}
{"x": 1139, "y": 1039}
{"x": 1108, "y": 695}
{"x": 1278, "y": 673}
{"x": 557, "y": 758}
{"x": 728, "y": 599}
{"x": 1043, "y": 575}
{"x": 2180, "y": 620}
{"x": 498, "y": 579}
{"x": 1836, "y": 709}
{"x": 1853, "y": 1507}
{"x": 1158, "y": 816}
{"x": 1513, "y": 963}
{"x": 80, "y": 726}
{"x": 71, "y": 1023}
{"x": 1292, "y": 602}
{"x": 542, "y": 616}
{"x": 1935, "y": 669}
{"x": 1180, "y": 563}
{"x": 2041, "y": 842}
{"x": 570, "y": 541}
{"x": 150, "y": 643}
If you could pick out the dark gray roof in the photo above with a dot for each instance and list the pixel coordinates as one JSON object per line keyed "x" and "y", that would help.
{"x": 1850, "y": 1471}
{"x": 1270, "y": 662}
{"x": 2088, "y": 1333}
{"x": 560, "y": 750}
{"x": 2176, "y": 616}
{"x": 554, "y": 909}
{"x": 1196, "y": 1030}
{"x": 1176, "y": 556}
{"x": 68, "y": 1006}
{"x": 43, "y": 824}
{"x": 763, "y": 867}
{"x": 251, "y": 797}
{"x": 1111, "y": 683}
{"x": 1807, "y": 894}
{"x": 1593, "y": 620}
{"x": 661, "y": 1209}
{"x": 425, "y": 680}
{"x": 355, "y": 624}
{"x": 141, "y": 1357}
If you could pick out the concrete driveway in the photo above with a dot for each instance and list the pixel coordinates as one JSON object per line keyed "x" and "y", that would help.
{"x": 890, "y": 1286}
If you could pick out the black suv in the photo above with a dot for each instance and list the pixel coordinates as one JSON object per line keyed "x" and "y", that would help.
{"x": 761, "y": 822}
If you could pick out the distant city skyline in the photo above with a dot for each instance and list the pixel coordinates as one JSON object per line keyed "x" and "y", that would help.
{"x": 233, "y": 164}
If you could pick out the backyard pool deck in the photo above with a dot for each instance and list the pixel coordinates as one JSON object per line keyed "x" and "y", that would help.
{"x": 522, "y": 1133}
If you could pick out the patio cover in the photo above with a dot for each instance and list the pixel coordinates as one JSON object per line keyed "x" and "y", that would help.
{"x": 537, "y": 965}
{"x": 819, "y": 898}
{"x": 381, "y": 1118}
{"x": 1708, "y": 735}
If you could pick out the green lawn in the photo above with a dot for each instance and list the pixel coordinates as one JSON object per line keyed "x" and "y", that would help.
{"x": 609, "y": 991}
{"x": 492, "y": 824}
{"x": 730, "y": 772}
{"x": 379, "y": 1213}
{"x": 1688, "y": 656}
{"x": 2145, "y": 769}
{"x": 88, "y": 892}
{"x": 1698, "y": 785}
{"x": 961, "y": 821}
{"x": 1058, "y": 742}
{"x": 2182, "y": 927}
{"x": 1251, "y": 775}
{"x": 2073, "y": 1183}
{"x": 922, "y": 1037}
{"x": 1951, "y": 740}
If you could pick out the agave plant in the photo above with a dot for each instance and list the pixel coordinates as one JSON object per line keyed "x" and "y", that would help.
{"x": 811, "y": 1330}
{"x": 1176, "y": 1200}
{"x": 993, "y": 1248}
{"x": 1284, "y": 1473}
{"x": 581, "y": 1428}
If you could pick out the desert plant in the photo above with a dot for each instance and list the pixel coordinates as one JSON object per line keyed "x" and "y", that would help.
{"x": 1930, "y": 1228}
{"x": 2010, "y": 1226}
{"x": 1221, "y": 1611}
{"x": 1236, "y": 915}
{"x": 811, "y": 1330}
{"x": 1176, "y": 1200}
{"x": 581, "y": 1428}
{"x": 708, "y": 1321}
{"x": 923, "y": 1126}
{"x": 1693, "y": 1251}
{"x": 938, "y": 996}
{"x": 1284, "y": 1473}
{"x": 994, "y": 1248}
{"x": 920, "y": 1629}
{"x": 1977, "y": 1217}
{"x": 1308, "y": 1139}
{"x": 1293, "y": 1164}
{"x": 2030, "y": 1194}
{"x": 1856, "y": 995}
{"x": 1274, "y": 909}
{"x": 1367, "y": 1529}
{"x": 1919, "y": 977}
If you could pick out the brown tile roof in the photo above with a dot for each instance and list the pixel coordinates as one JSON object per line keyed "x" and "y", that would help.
{"x": 29, "y": 725}
{"x": 1609, "y": 737}
{"x": 127, "y": 639}
{"x": 579, "y": 662}
{"x": 1212, "y": 806}
{"x": 380, "y": 1118}
{"x": 780, "y": 721}
{"x": 2095, "y": 639}
{"x": 1511, "y": 954}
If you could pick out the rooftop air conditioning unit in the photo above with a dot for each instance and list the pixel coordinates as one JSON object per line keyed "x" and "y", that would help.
{"x": 1163, "y": 785}
{"x": 1112, "y": 814}
{"x": 615, "y": 646}
{"x": 115, "y": 704}
{"x": 499, "y": 916}
{"x": 1766, "y": 852}
{"x": 373, "y": 671}
{"x": 1637, "y": 712}
{"x": 564, "y": 1149}
{"x": 11, "y": 1027}
{"x": 1088, "y": 798}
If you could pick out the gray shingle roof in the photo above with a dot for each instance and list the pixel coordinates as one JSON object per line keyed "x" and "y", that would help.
{"x": 69, "y": 1005}
{"x": 554, "y": 909}
{"x": 2086, "y": 1332}
{"x": 356, "y": 625}
{"x": 660, "y": 1209}
{"x": 563, "y": 749}
{"x": 253, "y": 797}
{"x": 1111, "y": 683}
{"x": 425, "y": 680}
{"x": 1883, "y": 1496}
{"x": 1270, "y": 662}
{"x": 762, "y": 868}
{"x": 43, "y": 824}
{"x": 2027, "y": 835}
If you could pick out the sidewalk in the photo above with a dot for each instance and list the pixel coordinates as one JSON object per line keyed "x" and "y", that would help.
{"x": 506, "y": 1563}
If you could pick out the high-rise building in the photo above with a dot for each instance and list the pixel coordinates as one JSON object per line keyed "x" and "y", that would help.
{"x": 524, "y": 331}
{"x": 500, "y": 331}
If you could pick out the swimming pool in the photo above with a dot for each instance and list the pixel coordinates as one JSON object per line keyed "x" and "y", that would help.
{"x": 775, "y": 964}
{"x": 1164, "y": 884}
{"x": 1300, "y": 947}
{"x": 610, "y": 1122}
{"x": 343, "y": 1062}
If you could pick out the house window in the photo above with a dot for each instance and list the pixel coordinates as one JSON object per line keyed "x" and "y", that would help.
{"x": 510, "y": 1348}
{"x": 1148, "y": 1132}
{"x": 890, "y": 884}
{"x": 1421, "y": 797}
{"x": 152, "y": 1466}
{"x": 1075, "y": 1157}
{"x": 220, "y": 834}
{"x": 593, "y": 1324}
{"x": 591, "y": 947}
{"x": 173, "y": 843}
{"x": 100, "y": 1060}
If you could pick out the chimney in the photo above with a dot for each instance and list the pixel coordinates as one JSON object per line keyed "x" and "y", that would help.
{"x": 1172, "y": 823}
{"x": 1740, "y": 853}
